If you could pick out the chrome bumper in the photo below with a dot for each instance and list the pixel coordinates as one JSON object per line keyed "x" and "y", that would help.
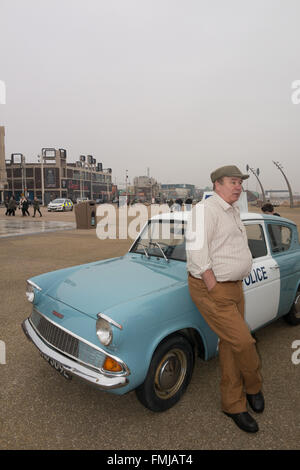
{"x": 72, "y": 367}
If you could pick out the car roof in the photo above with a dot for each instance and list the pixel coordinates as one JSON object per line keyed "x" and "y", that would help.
{"x": 254, "y": 216}
{"x": 60, "y": 199}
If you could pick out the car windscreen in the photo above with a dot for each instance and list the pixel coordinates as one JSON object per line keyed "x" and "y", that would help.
{"x": 162, "y": 239}
{"x": 58, "y": 201}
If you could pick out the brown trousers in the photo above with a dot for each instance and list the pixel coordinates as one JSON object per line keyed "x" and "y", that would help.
{"x": 223, "y": 310}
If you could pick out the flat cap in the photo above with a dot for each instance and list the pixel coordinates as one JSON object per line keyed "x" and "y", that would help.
{"x": 229, "y": 170}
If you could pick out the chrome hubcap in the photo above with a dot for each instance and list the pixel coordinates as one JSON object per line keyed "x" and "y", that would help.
{"x": 170, "y": 373}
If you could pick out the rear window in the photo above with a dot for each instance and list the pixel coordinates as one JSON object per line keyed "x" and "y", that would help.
{"x": 280, "y": 237}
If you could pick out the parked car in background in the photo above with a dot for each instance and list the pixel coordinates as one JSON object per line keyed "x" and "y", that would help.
{"x": 60, "y": 205}
{"x": 129, "y": 323}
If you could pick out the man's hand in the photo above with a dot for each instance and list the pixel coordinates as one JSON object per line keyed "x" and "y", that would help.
{"x": 209, "y": 279}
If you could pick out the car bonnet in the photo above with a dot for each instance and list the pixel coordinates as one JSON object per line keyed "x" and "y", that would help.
{"x": 96, "y": 287}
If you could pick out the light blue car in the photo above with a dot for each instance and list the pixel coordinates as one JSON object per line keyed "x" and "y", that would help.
{"x": 129, "y": 323}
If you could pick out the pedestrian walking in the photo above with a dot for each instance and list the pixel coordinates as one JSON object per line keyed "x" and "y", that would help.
{"x": 215, "y": 279}
{"x": 24, "y": 204}
{"x": 188, "y": 204}
{"x": 6, "y": 205}
{"x": 36, "y": 206}
{"x": 12, "y": 206}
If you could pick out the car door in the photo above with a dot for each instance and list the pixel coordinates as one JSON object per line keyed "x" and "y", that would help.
{"x": 284, "y": 245}
{"x": 262, "y": 286}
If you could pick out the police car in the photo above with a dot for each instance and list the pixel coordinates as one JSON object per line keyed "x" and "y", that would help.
{"x": 60, "y": 205}
{"x": 129, "y": 323}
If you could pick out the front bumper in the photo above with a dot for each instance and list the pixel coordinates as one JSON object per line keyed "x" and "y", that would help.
{"x": 56, "y": 209}
{"x": 72, "y": 367}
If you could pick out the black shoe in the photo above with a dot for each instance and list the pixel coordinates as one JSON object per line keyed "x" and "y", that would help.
{"x": 256, "y": 401}
{"x": 244, "y": 421}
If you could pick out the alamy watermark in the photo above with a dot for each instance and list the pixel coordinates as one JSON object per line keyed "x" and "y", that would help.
{"x": 295, "y": 96}
{"x": 128, "y": 221}
{"x": 2, "y": 92}
{"x": 2, "y": 352}
{"x": 296, "y": 354}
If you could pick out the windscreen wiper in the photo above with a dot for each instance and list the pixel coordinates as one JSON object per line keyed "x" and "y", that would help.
{"x": 158, "y": 245}
{"x": 146, "y": 252}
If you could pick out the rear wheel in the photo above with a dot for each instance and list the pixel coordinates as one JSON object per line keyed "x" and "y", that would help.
{"x": 169, "y": 374}
{"x": 293, "y": 317}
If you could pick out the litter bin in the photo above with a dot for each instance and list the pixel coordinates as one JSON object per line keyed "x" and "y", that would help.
{"x": 85, "y": 214}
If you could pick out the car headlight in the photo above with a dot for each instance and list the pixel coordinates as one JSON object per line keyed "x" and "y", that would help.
{"x": 30, "y": 290}
{"x": 104, "y": 331}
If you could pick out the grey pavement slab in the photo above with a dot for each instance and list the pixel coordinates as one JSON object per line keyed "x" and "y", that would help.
{"x": 16, "y": 226}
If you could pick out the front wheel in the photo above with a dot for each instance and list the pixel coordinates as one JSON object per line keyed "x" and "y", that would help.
{"x": 293, "y": 317}
{"x": 169, "y": 374}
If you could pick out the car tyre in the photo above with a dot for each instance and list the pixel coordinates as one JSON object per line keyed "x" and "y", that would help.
{"x": 293, "y": 316}
{"x": 169, "y": 374}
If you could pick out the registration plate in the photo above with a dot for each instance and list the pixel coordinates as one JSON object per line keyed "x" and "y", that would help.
{"x": 57, "y": 366}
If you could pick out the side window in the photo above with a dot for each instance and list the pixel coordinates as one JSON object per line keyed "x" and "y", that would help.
{"x": 280, "y": 237}
{"x": 256, "y": 240}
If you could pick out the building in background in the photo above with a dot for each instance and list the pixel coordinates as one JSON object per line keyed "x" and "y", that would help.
{"x": 146, "y": 189}
{"x": 176, "y": 191}
{"x": 54, "y": 177}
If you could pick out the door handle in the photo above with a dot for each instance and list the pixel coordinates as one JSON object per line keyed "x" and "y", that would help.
{"x": 275, "y": 267}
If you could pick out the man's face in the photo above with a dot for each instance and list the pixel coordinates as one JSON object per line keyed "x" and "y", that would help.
{"x": 230, "y": 190}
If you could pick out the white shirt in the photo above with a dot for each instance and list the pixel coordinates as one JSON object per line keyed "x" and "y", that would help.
{"x": 225, "y": 250}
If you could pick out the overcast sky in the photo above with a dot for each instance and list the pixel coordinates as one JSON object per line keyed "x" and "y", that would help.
{"x": 177, "y": 86}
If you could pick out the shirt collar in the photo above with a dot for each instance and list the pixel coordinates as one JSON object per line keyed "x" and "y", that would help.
{"x": 225, "y": 204}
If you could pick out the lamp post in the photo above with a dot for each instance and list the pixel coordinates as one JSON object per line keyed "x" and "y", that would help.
{"x": 41, "y": 160}
{"x": 24, "y": 184}
{"x": 109, "y": 171}
{"x": 256, "y": 174}
{"x": 91, "y": 161}
{"x": 280, "y": 168}
{"x": 81, "y": 172}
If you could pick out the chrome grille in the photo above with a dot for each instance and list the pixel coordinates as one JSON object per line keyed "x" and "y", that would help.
{"x": 65, "y": 342}
{"x": 55, "y": 336}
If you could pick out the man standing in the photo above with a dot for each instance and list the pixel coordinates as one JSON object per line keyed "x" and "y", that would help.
{"x": 269, "y": 209}
{"x": 215, "y": 279}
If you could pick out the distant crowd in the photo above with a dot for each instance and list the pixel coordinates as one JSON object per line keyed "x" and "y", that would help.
{"x": 23, "y": 205}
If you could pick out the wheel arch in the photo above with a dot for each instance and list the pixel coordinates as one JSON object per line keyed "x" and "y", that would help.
{"x": 192, "y": 335}
{"x": 290, "y": 316}
{"x": 296, "y": 290}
